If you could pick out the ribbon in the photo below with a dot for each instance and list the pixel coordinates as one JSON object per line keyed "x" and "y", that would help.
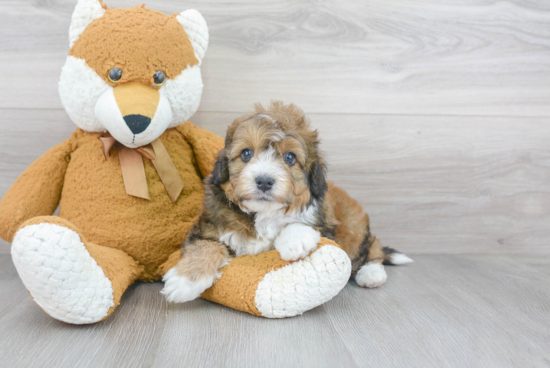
{"x": 133, "y": 170}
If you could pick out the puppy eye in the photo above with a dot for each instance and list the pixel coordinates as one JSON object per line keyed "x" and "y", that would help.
{"x": 246, "y": 154}
{"x": 158, "y": 78}
{"x": 290, "y": 158}
{"x": 114, "y": 75}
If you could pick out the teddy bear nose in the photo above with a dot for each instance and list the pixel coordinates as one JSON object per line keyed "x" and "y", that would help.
{"x": 137, "y": 123}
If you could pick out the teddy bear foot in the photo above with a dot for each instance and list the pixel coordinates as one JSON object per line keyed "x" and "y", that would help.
{"x": 303, "y": 285}
{"x": 267, "y": 286}
{"x": 60, "y": 274}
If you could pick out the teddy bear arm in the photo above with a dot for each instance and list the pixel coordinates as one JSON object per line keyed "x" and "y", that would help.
{"x": 265, "y": 285}
{"x": 36, "y": 192}
{"x": 206, "y": 146}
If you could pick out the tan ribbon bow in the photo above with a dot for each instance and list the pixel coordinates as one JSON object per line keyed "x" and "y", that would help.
{"x": 133, "y": 170}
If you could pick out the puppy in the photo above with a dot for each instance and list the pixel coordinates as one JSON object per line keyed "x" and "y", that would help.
{"x": 269, "y": 190}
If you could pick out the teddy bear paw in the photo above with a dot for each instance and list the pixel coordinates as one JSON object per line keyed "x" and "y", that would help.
{"x": 60, "y": 274}
{"x": 305, "y": 284}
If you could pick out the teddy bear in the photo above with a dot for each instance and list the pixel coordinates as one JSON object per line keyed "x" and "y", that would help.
{"x": 128, "y": 182}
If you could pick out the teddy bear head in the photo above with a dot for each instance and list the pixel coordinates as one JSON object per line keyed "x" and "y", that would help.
{"x": 132, "y": 72}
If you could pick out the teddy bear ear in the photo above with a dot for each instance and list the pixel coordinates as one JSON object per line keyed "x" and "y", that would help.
{"x": 86, "y": 12}
{"x": 197, "y": 30}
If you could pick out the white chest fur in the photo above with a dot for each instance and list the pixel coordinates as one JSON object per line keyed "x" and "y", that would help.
{"x": 267, "y": 225}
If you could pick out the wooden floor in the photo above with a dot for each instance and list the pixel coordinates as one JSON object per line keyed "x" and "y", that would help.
{"x": 442, "y": 311}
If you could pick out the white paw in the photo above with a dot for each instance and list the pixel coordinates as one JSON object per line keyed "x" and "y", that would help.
{"x": 296, "y": 241}
{"x": 371, "y": 275}
{"x": 180, "y": 289}
{"x": 60, "y": 274}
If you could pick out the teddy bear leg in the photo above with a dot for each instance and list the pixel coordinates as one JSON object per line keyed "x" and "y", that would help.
{"x": 267, "y": 286}
{"x": 70, "y": 279}
{"x": 172, "y": 260}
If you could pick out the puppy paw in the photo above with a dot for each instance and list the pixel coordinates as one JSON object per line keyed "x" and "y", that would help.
{"x": 296, "y": 241}
{"x": 181, "y": 289}
{"x": 371, "y": 275}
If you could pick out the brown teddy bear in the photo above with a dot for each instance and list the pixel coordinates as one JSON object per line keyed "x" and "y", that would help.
{"x": 128, "y": 182}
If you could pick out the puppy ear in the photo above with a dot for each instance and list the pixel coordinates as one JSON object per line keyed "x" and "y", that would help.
{"x": 220, "y": 174}
{"x": 317, "y": 179}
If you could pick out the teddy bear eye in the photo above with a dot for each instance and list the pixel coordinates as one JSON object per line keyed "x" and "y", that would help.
{"x": 115, "y": 74}
{"x": 290, "y": 158}
{"x": 246, "y": 154}
{"x": 159, "y": 78}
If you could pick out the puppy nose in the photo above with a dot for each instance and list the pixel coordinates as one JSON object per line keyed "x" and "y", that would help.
{"x": 137, "y": 123}
{"x": 264, "y": 183}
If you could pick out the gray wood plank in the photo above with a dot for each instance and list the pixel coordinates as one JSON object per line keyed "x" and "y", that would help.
{"x": 442, "y": 311}
{"x": 4, "y": 247}
{"x": 467, "y": 311}
{"x": 430, "y": 184}
{"x": 242, "y": 340}
{"x": 472, "y": 57}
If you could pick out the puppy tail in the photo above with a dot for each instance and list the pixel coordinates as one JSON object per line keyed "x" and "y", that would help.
{"x": 393, "y": 257}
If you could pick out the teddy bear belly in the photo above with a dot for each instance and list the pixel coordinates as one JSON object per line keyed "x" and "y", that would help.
{"x": 94, "y": 199}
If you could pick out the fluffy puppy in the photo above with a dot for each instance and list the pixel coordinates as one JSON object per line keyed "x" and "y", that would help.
{"x": 269, "y": 190}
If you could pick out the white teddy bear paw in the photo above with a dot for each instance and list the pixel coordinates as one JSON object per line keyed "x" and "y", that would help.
{"x": 305, "y": 284}
{"x": 181, "y": 289}
{"x": 60, "y": 274}
{"x": 371, "y": 275}
{"x": 296, "y": 241}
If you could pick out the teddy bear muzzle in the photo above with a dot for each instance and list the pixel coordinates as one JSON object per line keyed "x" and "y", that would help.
{"x": 133, "y": 113}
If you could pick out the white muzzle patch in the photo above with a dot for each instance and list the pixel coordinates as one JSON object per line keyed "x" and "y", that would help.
{"x": 264, "y": 164}
{"x": 108, "y": 114}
